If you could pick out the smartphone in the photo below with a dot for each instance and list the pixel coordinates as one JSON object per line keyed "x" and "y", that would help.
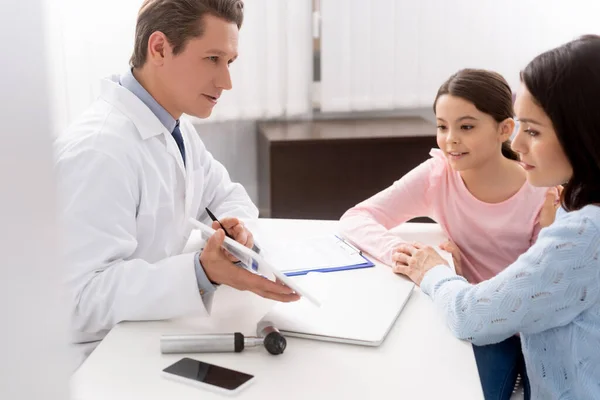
{"x": 208, "y": 376}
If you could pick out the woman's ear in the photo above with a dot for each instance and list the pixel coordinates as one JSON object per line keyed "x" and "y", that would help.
{"x": 507, "y": 127}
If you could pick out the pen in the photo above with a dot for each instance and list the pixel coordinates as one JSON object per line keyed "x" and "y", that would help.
{"x": 212, "y": 216}
{"x": 255, "y": 248}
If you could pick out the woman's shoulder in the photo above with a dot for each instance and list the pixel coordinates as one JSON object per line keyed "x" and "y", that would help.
{"x": 572, "y": 243}
{"x": 582, "y": 224}
{"x": 588, "y": 214}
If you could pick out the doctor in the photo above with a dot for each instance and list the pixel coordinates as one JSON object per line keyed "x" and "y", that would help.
{"x": 131, "y": 173}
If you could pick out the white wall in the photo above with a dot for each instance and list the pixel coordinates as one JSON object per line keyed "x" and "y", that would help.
{"x": 234, "y": 144}
{"x": 34, "y": 359}
{"x": 389, "y": 54}
{"x": 89, "y": 40}
{"x": 271, "y": 78}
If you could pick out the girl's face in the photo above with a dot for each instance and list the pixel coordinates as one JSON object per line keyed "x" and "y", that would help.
{"x": 468, "y": 137}
{"x": 536, "y": 142}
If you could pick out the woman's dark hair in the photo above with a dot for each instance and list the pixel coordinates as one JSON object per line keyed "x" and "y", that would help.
{"x": 488, "y": 91}
{"x": 565, "y": 83}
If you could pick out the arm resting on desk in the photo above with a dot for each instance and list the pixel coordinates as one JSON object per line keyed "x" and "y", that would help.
{"x": 367, "y": 224}
{"x": 548, "y": 286}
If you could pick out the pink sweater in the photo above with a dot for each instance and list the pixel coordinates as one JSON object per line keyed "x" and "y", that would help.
{"x": 490, "y": 236}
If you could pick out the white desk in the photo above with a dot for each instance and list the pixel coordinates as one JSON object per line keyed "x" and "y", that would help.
{"x": 420, "y": 359}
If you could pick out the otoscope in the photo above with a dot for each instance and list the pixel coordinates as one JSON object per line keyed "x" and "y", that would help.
{"x": 266, "y": 334}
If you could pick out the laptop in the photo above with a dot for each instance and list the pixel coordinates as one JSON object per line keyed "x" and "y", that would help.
{"x": 357, "y": 306}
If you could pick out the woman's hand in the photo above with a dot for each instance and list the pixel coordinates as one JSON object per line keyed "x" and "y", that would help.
{"x": 414, "y": 260}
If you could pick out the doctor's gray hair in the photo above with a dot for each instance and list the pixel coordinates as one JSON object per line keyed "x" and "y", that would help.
{"x": 179, "y": 20}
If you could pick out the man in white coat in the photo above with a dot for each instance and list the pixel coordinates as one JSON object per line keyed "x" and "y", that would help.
{"x": 131, "y": 174}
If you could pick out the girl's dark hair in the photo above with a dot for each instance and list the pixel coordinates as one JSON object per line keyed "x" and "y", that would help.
{"x": 565, "y": 83}
{"x": 488, "y": 91}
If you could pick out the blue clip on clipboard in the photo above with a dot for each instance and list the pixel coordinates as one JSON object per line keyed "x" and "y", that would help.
{"x": 366, "y": 264}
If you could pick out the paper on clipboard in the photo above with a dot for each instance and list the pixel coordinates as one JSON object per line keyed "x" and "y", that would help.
{"x": 324, "y": 253}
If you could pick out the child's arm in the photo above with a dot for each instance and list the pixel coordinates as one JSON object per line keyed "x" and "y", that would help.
{"x": 367, "y": 224}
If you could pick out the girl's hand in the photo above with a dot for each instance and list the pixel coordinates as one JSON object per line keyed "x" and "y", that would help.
{"x": 551, "y": 204}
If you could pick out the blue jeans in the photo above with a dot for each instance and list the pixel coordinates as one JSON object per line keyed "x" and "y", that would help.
{"x": 498, "y": 366}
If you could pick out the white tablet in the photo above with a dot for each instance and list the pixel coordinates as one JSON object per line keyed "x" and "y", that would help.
{"x": 248, "y": 255}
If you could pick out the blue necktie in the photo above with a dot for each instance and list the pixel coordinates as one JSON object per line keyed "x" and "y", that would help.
{"x": 179, "y": 140}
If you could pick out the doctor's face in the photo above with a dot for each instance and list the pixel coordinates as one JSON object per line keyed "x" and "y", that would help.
{"x": 195, "y": 78}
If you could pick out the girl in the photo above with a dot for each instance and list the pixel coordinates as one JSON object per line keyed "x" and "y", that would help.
{"x": 551, "y": 294}
{"x": 476, "y": 190}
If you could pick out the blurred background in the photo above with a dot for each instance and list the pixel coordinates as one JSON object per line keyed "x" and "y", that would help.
{"x": 331, "y": 103}
{"x": 345, "y": 85}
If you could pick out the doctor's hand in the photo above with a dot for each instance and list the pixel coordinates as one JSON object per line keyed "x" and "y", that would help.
{"x": 236, "y": 229}
{"x": 415, "y": 260}
{"x": 219, "y": 269}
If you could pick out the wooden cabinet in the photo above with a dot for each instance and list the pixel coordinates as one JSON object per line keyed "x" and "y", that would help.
{"x": 319, "y": 169}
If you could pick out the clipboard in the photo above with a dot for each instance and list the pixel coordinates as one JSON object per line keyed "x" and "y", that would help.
{"x": 328, "y": 253}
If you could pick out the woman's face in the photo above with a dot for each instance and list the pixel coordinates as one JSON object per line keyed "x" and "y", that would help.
{"x": 541, "y": 153}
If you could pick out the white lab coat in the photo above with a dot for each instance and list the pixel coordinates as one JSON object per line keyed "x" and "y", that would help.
{"x": 125, "y": 200}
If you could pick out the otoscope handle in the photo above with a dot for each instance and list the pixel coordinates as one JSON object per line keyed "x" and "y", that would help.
{"x": 211, "y": 343}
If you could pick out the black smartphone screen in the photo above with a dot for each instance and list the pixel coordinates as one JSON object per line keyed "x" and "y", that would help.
{"x": 208, "y": 373}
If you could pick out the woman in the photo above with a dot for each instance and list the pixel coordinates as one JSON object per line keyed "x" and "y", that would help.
{"x": 551, "y": 294}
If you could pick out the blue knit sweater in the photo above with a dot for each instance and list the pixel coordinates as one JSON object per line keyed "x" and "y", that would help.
{"x": 551, "y": 295}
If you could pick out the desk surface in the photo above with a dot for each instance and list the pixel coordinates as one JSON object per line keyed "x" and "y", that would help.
{"x": 420, "y": 359}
